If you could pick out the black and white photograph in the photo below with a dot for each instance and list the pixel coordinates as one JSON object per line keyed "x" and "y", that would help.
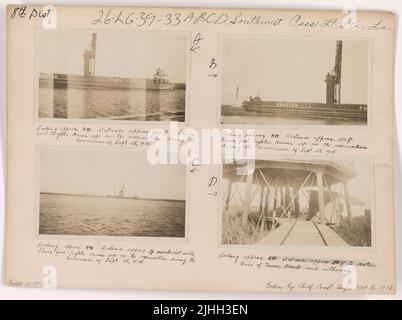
{"x": 97, "y": 192}
{"x": 296, "y": 202}
{"x": 111, "y": 75}
{"x": 294, "y": 81}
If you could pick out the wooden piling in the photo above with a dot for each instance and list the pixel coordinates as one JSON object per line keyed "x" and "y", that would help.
{"x": 347, "y": 200}
{"x": 247, "y": 198}
{"x": 321, "y": 202}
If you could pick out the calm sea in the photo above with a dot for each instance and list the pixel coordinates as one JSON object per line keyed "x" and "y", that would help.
{"x": 80, "y": 103}
{"x": 103, "y": 216}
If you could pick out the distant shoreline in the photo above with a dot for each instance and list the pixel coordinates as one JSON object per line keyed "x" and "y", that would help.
{"x": 110, "y": 197}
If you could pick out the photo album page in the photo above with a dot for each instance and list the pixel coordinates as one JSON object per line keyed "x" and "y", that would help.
{"x": 203, "y": 149}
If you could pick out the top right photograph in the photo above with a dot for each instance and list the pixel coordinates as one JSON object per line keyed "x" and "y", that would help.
{"x": 294, "y": 81}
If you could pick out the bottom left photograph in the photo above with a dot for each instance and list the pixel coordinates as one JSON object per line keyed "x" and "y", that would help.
{"x": 98, "y": 192}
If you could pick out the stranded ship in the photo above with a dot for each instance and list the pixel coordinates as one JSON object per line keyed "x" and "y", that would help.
{"x": 332, "y": 109}
{"x": 159, "y": 81}
{"x": 308, "y": 110}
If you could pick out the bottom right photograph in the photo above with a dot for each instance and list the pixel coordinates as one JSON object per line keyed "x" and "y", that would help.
{"x": 296, "y": 202}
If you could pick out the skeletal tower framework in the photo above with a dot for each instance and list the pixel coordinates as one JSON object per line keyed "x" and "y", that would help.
{"x": 121, "y": 192}
{"x": 89, "y": 58}
{"x": 333, "y": 79}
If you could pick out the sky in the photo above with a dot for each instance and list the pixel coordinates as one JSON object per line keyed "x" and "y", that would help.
{"x": 118, "y": 53}
{"x": 100, "y": 172}
{"x": 291, "y": 69}
{"x": 359, "y": 186}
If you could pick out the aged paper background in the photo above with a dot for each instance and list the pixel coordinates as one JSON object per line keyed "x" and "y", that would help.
{"x": 208, "y": 272}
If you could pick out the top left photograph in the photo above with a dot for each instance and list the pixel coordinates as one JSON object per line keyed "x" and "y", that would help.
{"x": 111, "y": 75}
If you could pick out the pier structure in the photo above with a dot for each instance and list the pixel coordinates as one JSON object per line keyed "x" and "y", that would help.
{"x": 288, "y": 193}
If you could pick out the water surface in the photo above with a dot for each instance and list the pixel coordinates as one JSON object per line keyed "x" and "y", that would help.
{"x": 104, "y": 216}
{"x": 84, "y": 103}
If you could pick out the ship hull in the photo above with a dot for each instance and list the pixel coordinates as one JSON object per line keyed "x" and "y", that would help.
{"x": 99, "y": 82}
{"x": 309, "y": 110}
